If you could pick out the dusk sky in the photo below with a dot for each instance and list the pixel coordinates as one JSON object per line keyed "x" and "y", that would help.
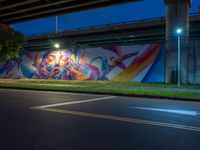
{"x": 119, "y": 13}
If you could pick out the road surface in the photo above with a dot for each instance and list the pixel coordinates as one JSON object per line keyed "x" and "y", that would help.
{"x": 41, "y": 120}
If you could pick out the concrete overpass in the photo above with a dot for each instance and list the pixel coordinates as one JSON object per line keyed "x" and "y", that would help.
{"x": 13, "y": 11}
{"x": 123, "y": 33}
{"x": 94, "y": 36}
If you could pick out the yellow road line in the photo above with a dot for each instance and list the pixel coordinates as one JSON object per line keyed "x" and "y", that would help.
{"x": 123, "y": 119}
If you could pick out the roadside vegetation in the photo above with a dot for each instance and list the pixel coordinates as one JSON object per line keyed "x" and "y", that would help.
{"x": 159, "y": 90}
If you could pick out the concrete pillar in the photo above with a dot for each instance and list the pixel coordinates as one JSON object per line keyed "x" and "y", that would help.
{"x": 177, "y": 17}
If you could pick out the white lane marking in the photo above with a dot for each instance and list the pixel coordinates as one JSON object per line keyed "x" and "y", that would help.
{"x": 73, "y": 102}
{"x": 50, "y": 92}
{"x": 182, "y": 112}
{"x": 123, "y": 119}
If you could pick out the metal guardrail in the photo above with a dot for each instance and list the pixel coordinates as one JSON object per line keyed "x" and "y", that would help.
{"x": 105, "y": 25}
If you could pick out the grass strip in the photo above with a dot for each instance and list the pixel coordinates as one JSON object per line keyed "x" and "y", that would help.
{"x": 94, "y": 88}
{"x": 101, "y": 83}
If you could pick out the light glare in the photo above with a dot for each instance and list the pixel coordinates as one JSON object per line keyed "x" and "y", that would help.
{"x": 57, "y": 45}
{"x": 178, "y": 31}
{"x": 182, "y": 112}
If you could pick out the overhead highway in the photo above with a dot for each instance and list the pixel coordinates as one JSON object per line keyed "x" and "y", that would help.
{"x": 123, "y": 33}
{"x": 13, "y": 11}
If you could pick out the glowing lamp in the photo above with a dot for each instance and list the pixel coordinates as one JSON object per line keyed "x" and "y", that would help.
{"x": 57, "y": 45}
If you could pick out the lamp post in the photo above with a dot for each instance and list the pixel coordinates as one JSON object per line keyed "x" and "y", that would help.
{"x": 56, "y": 24}
{"x": 179, "y": 31}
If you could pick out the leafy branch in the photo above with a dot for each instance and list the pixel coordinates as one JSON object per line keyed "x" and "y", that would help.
{"x": 11, "y": 43}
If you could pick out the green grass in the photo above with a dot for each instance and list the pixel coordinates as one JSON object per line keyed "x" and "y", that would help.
{"x": 100, "y": 83}
{"x": 102, "y": 87}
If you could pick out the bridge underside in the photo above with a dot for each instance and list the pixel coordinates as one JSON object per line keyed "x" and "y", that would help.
{"x": 121, "y": 34}
{"x": 125, "y": 33}
{"x": 23, "y": 10}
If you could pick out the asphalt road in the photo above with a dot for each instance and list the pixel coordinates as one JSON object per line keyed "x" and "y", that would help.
{"x": 37, "y": 120}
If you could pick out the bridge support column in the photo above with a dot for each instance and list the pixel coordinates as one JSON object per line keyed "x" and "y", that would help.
{"x": 177, "y": 17}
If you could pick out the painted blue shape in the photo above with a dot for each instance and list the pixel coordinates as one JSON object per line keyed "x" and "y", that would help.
{"x": 4, "y": 67}
{"x": 157, "y": 71}
{"x": 27, "y": 72}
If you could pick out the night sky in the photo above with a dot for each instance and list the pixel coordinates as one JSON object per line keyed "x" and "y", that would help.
{"x": 119, "y": 13}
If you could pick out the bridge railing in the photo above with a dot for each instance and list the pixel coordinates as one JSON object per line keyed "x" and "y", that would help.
{"x": 97, "y": 26}
{"x": 104, "y": 25}
{"x": 195, "y": 14}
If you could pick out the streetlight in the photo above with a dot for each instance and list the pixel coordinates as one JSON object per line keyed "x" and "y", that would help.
{"x": 57, "y": 45}
{"x": 56, "y": 24}
{"x": 179, "y": 31}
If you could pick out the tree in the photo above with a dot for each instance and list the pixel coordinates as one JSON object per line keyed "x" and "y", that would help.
{"x": 11, "y": 43}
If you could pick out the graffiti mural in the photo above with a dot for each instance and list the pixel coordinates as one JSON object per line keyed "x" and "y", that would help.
{"x": 139, "y": 63}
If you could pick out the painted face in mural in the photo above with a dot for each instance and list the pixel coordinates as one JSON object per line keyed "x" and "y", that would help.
{"x": 55, "y": 62}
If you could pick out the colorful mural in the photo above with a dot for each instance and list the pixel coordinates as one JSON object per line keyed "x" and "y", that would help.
{"x": 139, "y": 63}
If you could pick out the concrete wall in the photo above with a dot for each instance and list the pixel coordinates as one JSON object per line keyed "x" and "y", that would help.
{"x": 194, "y": 62}
{"x": 138, "y": 63}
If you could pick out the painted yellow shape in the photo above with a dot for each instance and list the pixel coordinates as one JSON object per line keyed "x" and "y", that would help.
{"x": 80, "y": 76}
{"x": 134, "y": 69}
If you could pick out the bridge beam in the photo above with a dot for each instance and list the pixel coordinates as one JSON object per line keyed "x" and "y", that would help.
{"x": 177, "y": 17}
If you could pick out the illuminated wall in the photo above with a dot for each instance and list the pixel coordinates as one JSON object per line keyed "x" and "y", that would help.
{"x": 139, "y": 63}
